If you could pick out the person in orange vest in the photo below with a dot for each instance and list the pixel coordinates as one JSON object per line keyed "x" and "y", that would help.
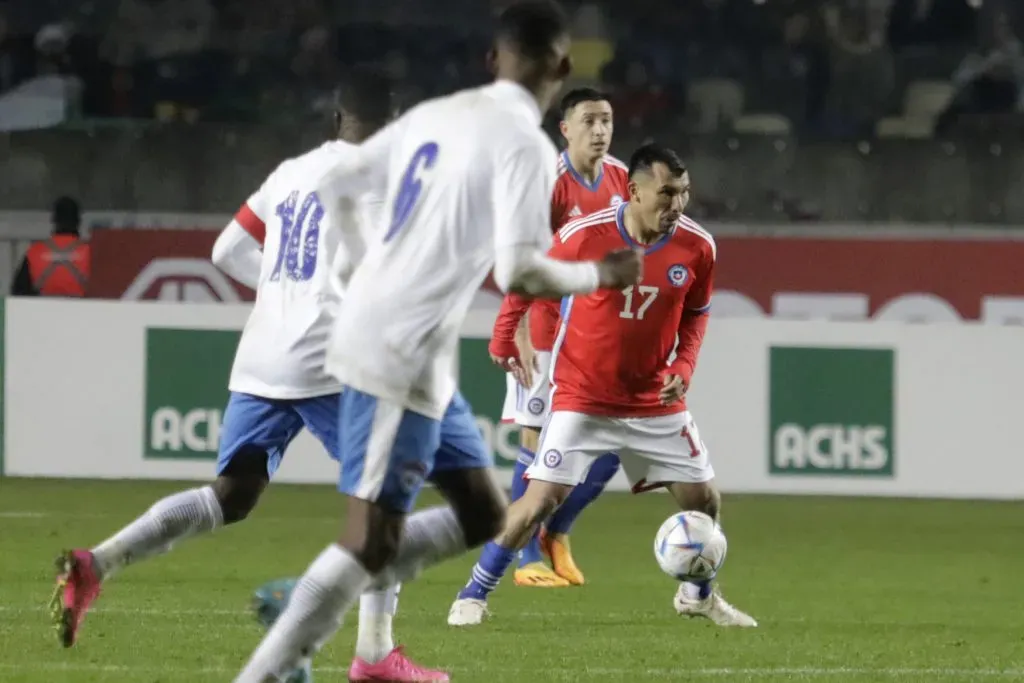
{"x": 58, "y": 265}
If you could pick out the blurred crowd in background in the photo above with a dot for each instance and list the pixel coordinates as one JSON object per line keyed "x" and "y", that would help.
{"x": 831, "y": 68}
{"x": 884, "y": 111}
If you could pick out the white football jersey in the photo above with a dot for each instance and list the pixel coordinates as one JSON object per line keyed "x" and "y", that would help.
{"x": 282, "y": 350}
{"x": 466, "y": 175}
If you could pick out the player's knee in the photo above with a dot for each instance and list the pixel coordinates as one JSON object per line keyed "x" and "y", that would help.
{"x": 484, "y": 522}
{"x": 529, "y": 438}
{"x": 702, "y": 498}
{"x": 379, "y": 547}
{"x": 238, "y": 495}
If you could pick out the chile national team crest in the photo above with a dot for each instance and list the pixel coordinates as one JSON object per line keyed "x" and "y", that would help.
{"x": 677, "y": 275}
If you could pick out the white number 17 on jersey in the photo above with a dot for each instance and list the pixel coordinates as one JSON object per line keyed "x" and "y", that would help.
{"x": 647, "y": 295}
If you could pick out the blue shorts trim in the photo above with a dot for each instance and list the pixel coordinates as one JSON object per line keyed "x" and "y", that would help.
{"x": 256, "y": 424}
{"x": 388, "y": 451}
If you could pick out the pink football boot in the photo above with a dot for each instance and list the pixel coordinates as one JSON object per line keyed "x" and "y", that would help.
{"x": 78, "y": 586}
{"x": 395, "y": 668}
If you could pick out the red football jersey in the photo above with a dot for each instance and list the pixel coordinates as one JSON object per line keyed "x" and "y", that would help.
{"x": 572, "y": 198}
{"x": 614, "y": 348}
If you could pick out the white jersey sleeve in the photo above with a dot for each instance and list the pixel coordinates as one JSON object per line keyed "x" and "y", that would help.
{"x": 523, "y": 183}
{"x": 237, "y": 253}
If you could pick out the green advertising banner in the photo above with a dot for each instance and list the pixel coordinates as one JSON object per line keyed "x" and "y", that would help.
{"x": 483, "y": 385}
{"x": 831, "y": 411}
{"x": 186, "y": 390}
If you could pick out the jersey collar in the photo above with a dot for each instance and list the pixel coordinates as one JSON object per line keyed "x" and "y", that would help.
{"x": 594, "y": 186}
{"x": 510, "y": 91}
{"x": 630, "y": 242}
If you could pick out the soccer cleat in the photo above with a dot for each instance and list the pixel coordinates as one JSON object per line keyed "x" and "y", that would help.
{"x": 271, "y": 598}
{"x": 713, "y": 607}
{"x": 538, "y": 575}
{"x": 395, "y": 668}
{"x": 557, "y": 549}
{"x": 467, "y": 612}
{"x": 78, "y": 586}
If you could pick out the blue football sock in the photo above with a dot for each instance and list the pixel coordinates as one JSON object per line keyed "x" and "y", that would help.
{"x": 519, "y": 481}
{"x": 531, "y": 553}
{"x": 487, "y": 572}
{"x": 703, "y": 588}
{"x": 601, "y": 472}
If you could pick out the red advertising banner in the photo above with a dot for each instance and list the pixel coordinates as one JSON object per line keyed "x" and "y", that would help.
{"x": 906, "y": 280}
{"x": 163, "y": 265}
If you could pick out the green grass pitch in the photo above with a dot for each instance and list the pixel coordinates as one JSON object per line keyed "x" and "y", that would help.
{"x": 844, "y": 589}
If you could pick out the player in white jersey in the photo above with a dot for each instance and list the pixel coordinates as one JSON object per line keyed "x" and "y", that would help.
{"x": 469, "y": 180}
{"x": 285, "y": 245}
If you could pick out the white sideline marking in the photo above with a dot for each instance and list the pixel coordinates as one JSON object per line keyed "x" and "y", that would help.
{"x": 677, "y": 672}
{"x": 22, "y": 514}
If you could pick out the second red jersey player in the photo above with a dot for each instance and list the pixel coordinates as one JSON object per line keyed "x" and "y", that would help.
{"x": 587, "y": 126}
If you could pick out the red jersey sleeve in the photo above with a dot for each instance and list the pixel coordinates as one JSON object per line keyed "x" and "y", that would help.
{"x": 503, "y": 336}
{"x": 559, "y": 206}
{"x": 251, "y": 223}
{"x": 515, "y": 306}
{"x": 694, "y": 321}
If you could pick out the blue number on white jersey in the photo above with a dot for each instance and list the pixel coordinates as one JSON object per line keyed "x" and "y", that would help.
{"x": 411, "y": 187}
{"x": 293, "y": 242}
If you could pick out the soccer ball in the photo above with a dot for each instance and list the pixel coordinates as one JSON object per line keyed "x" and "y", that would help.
{"x": 690, "y": 546}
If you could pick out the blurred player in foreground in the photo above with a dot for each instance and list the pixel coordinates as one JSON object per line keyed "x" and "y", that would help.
{"x": 469, "y": 180}
{"x": 281, "y": 243}
{"x": 589, "y": 179}
{"x": 621, "y": 366}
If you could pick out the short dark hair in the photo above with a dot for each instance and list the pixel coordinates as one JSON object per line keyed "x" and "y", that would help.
{"x": 532, "y": 27}
{"x": 578, "y": 96}
{"x": 646, "y": 156}
{"x": 366, "y": 93}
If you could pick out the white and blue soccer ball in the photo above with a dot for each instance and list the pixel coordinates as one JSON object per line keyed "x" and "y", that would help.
{"x": 690, "y": 546}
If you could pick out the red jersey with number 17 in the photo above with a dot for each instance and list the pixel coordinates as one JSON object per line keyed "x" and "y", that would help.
{"x": 614, "y": 348}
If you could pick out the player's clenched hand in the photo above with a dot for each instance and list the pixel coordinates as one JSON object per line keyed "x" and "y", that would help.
{"x": 673, "y": 390}
{"x": 621, "y": 268}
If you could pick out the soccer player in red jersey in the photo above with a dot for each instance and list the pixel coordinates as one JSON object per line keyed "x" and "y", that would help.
{"x": 622, "y": 363}
{"x": 589, "y": 179}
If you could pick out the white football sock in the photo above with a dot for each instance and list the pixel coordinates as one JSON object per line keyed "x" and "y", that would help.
{"x": 315, "y": 610}
{"x": 429, "y": 537}
{"x": 169, "y": 520}
{"x": 376, "y": 611}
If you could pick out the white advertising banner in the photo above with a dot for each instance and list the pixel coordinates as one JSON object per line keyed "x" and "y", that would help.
{"x": 135, "y": 390}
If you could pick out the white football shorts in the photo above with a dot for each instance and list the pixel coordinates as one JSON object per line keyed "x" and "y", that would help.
{"x": 653, "y": 450}
{"x": 529, "y": 408}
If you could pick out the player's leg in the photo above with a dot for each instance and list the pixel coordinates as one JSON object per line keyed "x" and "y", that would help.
{"x": 253, "y": 437}
{"x": 668, "y": 450}
{"x": 386, "y": 453}
{"x": 568, "y": 442}
{"x": 531, "y": 411}
{"x": 555, "y": 532}
{"x": 377, "y": 657}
